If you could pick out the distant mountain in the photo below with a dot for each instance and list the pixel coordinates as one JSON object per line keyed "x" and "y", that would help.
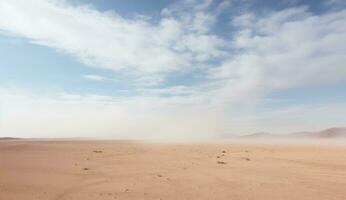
{"x": 331, "y": 133}
{"x": 261, "y": 135}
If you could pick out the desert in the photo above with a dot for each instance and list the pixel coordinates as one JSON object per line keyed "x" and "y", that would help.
{"x": 96, "y": 169}
{"x": 172, "y": 100}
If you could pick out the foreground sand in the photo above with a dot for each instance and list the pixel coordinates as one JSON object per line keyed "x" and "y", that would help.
{"x": 83, "y": 170}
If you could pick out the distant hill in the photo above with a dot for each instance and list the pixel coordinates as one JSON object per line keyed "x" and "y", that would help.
{"x": 261, "y": 135}
{"x": 9, "y": 138}
{"x": 331, "y": 133}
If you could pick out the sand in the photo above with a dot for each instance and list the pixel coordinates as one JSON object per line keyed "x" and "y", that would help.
{"x": 82, "y": 170}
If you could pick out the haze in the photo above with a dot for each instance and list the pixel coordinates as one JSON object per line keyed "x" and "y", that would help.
{"x": 167, "y": 100}
{"x": 170, "y": 69}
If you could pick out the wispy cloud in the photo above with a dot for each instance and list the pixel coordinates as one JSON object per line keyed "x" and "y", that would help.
{"x": 94, "y": 77}
{"x": 264, "y": 53}
{"x": 291, "y": 48}
{"x": 107, "y": 40}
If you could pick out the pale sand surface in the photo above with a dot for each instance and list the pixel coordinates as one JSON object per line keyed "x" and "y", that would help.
{"x": 33, "y": 170}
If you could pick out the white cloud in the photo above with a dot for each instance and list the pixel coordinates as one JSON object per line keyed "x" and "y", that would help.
{"x": 244, "y": 20}
{"x": 94, "y": 77}
{"x": 99, "y": 39}
{"x": 291, "y": 48}
{"x": 107, "y": 40}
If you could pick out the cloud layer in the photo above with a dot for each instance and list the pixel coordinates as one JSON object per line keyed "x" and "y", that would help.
{"x": 253, "y": 57}
{"x": 107, "y": 40}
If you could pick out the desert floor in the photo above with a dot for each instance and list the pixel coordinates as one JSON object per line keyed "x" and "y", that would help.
{"x": 83, "y": 170}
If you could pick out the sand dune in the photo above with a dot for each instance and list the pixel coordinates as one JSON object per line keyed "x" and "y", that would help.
{"x": 82, "y": 170}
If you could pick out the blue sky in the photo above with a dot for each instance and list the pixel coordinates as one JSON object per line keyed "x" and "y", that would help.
{"x": 171, "y": 69}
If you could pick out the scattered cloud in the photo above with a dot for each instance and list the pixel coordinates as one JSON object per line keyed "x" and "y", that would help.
{"x": 284, "y": 49}
{"x": 107, "y": 40}
{"x": 94, "y": 77}
{"x": 291, "y": 48}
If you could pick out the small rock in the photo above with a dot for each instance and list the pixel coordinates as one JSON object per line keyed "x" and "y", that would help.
{"x": 221, "y": 162}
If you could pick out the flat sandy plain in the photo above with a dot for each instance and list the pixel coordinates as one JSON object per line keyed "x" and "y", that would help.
{"x": 82, "y": 170}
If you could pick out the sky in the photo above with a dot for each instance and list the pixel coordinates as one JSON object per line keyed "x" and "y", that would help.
{"x": 184, "y": 69}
